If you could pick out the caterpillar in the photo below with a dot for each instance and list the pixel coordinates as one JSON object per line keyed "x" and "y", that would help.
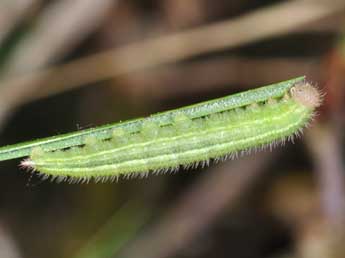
{"x": 185, "y": 137}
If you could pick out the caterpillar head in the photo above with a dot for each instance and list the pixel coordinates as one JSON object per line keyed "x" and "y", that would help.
{"x": 306, "y": 94}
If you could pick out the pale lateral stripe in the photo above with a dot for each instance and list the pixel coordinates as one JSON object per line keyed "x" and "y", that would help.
{"x": 115, "y": 150}
{"x": 132, "y": 163}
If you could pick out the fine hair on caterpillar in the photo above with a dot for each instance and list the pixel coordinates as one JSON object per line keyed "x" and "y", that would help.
{"x": 306, "y": 94}
{"x": 189, "y": 137}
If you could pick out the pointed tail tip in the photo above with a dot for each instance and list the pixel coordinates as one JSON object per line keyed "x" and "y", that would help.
{"x": 27, "y": 164}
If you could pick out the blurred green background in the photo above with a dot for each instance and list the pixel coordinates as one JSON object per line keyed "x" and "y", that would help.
{"x": 67, "y": 65}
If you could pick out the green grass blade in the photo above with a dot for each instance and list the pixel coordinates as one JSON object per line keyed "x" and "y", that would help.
{"x": 193, "y": 111}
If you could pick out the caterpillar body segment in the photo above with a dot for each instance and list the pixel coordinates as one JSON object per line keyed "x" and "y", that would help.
{"x": 185, "y": 138}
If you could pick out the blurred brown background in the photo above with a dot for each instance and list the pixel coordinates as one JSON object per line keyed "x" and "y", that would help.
{"x": 67, "y": 65}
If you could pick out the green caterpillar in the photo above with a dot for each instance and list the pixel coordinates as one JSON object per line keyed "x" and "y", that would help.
{"x": 185, "y": 137}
